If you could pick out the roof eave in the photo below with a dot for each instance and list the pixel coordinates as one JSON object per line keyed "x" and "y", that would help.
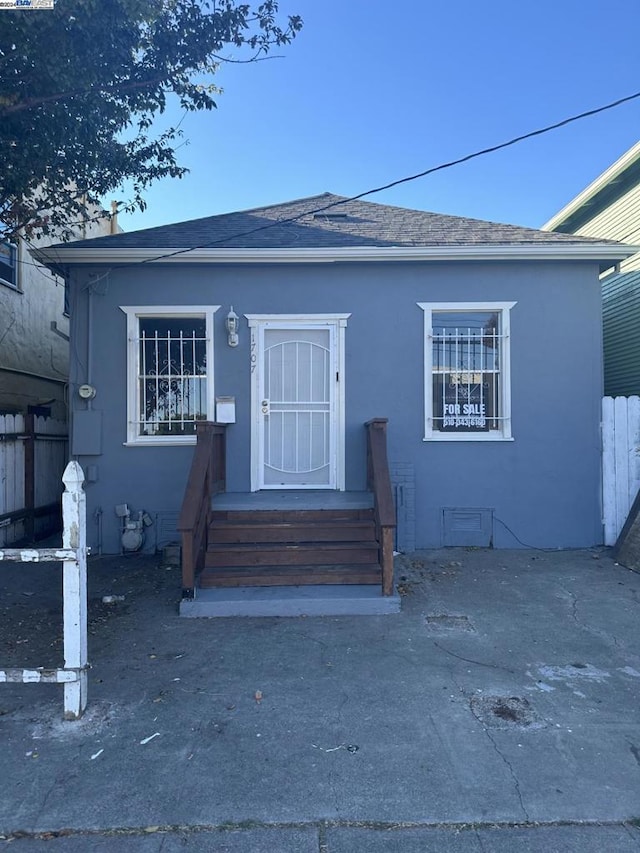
{"x": 587, "y": 197}
{"x": 112, "y": 256}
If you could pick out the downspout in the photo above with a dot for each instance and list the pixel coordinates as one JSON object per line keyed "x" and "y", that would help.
{"x": 89, "y": 342}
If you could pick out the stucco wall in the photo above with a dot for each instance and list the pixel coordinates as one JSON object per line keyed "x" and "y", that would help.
{"x": 544, "y": 485}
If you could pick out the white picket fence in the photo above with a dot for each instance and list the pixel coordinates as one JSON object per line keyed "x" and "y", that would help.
{"x": 620, "y": 461}
{"x": 73, "y": 556}
{"x": 33, "y": 455}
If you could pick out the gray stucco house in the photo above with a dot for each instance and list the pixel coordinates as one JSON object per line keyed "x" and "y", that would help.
{"x": 299, "y": 323}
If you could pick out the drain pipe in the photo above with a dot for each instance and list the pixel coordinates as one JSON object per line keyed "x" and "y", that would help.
{"x": 98, "y": 519}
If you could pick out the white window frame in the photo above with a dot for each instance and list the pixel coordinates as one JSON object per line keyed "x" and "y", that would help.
{"x": 504, "y": 308}
{"x": 15, "y": 265}
{"x": 136, "y": 312}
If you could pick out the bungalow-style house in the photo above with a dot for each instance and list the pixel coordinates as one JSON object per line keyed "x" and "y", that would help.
{"x": 610, "y": 208}
{"x": 359, "y": 378}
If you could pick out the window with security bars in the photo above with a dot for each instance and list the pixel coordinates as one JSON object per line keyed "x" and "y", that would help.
{"x": 467, "y": 361}
{"x": 173, "y": 375}
{"x": 170, "y": 373}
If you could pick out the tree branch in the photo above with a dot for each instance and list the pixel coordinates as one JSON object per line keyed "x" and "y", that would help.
{"x": 32, "y": 103}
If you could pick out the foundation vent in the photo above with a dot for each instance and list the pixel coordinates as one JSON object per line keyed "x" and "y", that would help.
{"x": 470, "y": 526}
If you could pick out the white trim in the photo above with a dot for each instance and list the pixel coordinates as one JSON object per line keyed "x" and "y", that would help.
{"x": 504, "y": 434}
{"x": 16, "y": 256}
{"x": 257, "y": 324}
{"x": 312, "y": 319}
{"x": 613, "y": 173}
{"x": 133, "y": 313}
{"x": 546, "y": 251}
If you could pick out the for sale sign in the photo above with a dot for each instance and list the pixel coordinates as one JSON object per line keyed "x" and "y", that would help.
{"x": 465, "y": 402}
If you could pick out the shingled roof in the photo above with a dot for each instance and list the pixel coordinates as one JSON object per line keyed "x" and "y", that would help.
{"x": 329, "y": 221}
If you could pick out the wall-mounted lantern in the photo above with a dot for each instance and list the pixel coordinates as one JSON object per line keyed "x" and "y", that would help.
{"x": 232, "y": 328}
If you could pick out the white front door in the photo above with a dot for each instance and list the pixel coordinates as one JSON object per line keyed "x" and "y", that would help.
{"x": 296, "y": 404}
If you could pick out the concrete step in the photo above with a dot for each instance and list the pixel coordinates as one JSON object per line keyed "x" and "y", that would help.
{"x": 327, "y": 600}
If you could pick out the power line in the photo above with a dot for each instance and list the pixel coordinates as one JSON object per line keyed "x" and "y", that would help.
{"x": 448, "y": 165}
{"x": 441, "y": 167}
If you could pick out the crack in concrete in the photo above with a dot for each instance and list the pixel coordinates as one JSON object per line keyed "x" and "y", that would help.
{"x": 476, "y": 832}
{"x": 506, "y": 762}
{"x": 339, "y": 728}
{"x": 321, "y": 826}
{"x": 605, "y": 635}
{"x": 321, "y": 643}
{"x": 634, "y": 751}
{"x": 574, "y": 603}
{"x": 323, "y": 844}
{"x": 632, "y": 833}
{"x": 476, "y": 662}
{"x": 52, "y": 788}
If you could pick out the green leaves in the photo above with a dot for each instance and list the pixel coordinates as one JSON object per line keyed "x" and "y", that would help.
{"x": 80, "y": 87}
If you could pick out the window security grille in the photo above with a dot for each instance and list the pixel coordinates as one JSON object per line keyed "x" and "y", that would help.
{"x": 172, "y": 376}
{"x": 467, "y": 355}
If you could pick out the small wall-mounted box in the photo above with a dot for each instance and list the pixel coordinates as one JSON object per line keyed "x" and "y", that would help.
{"x": 226, "y": 410}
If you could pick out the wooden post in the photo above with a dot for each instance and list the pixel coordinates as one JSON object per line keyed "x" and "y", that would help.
{"x": 386, "y": 553}
{"x": 74, "y": 536}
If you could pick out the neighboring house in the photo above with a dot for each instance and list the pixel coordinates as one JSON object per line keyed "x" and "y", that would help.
{"x": 609, "y": 208}
{"x": 479, "y": 342}
{"x": 34, "y": 339}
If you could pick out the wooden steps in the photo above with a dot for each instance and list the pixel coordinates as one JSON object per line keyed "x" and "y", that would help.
{"x": 291, "y": 548}
{"x": 365, "y": 573}
{"x": 291, "y": 532}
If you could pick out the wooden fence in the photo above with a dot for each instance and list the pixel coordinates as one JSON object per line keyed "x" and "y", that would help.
{"x": 620, "y": 461}
{"x": 33, "y": 455}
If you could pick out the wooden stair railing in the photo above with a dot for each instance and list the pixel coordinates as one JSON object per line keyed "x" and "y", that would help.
{"x": 206, "y": 478}
{"x": 379, "y": 482}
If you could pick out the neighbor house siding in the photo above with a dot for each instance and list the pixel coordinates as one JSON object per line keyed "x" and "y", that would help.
{"x": 34, "y": 329}
{"x": 621, "y": 321}
{"x": 619, "y": 221}
{"x": 543, "y": 486}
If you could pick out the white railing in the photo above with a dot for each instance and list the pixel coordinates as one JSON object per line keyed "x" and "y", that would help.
{"x": 620, "y": 462}
{"x": 73, "y": 556}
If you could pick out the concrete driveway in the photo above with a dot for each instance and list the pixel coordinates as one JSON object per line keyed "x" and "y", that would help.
{"x": 499, "y": 711}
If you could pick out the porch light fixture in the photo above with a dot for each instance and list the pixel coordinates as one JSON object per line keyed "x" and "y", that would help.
{"x": 232, "y": 328}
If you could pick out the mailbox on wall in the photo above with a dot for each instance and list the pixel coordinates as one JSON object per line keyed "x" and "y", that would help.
{"x": 225, "y": 410}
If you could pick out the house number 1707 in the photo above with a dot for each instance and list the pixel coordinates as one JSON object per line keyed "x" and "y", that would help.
{"x": 254, "y": 357}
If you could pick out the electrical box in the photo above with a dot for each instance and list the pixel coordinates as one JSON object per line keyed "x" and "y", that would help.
{"x": 226, "y": 410}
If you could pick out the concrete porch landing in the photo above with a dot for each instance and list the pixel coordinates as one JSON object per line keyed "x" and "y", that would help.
{"x": 292, "y": 499}
{"x": 321, "y": 600}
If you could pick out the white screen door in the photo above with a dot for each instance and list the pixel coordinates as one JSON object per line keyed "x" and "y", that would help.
{"x": 297, "y": 406}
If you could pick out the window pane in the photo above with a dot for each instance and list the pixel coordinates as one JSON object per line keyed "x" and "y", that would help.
{"x": 466, "y": 371}
{"x": 9, "y": 264}
{"x": 172, "y": 383}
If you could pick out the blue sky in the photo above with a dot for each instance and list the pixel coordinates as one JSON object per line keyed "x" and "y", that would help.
{"x": 372, "y": 91}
